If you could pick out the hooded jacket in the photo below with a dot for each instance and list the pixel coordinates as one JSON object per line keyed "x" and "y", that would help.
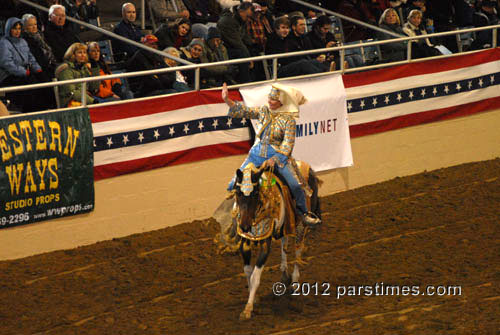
{"x": 15, "y": 54}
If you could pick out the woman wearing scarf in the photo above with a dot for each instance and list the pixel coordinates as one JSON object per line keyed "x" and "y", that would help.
{"x": 38, "y": 46}
{"x": 75, "y": 66}
{"x": 421, "y": 48}
{"x": 18, "y": 66}
{"x": 276, "y": 138}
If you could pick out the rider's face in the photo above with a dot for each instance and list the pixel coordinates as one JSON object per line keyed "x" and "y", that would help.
{"x": 273, "y": 104}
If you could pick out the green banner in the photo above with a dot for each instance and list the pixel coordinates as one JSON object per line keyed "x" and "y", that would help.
{"x": 46, "y": 166}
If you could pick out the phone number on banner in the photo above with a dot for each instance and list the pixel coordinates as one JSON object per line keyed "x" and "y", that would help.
{"x": 26, "y": 217}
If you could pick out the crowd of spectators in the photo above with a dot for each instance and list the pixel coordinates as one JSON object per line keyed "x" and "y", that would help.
{"x": 38, "y": 46}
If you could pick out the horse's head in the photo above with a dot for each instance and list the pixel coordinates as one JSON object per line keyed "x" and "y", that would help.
{"x": 247, "y": 195}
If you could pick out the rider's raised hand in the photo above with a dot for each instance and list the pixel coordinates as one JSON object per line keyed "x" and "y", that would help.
{"x": 224, "y": 92}
{"x": 225, "y": 96}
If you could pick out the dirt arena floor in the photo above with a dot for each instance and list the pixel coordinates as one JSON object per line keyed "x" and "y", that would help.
{"x": 437, "y": 228}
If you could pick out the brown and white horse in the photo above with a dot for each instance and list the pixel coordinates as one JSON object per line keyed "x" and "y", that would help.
{"x": 264, "y": 212}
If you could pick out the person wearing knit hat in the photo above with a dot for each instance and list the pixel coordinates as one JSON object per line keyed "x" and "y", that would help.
{"x": 217, "y": 52}
{"x": 275, "y": 139}
{"x": 199, "y": 30}
{"x": 213, "y": 32}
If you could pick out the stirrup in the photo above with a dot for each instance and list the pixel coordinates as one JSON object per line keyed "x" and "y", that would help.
{"x": 311, "y": 219}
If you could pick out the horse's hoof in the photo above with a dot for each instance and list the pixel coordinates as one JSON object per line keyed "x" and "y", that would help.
{"x": 245, "y": 315}
{"x": 247, "y": 312}
{"x": 286, "y": 278}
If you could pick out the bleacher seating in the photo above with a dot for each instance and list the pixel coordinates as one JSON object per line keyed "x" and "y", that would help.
{"x": 465, "y": 40}
{"x": 107, "y": 51}
{"x": 151, "y": 15}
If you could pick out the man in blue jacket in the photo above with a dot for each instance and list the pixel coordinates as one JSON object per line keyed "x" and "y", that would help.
{"x": 127, "y": 29}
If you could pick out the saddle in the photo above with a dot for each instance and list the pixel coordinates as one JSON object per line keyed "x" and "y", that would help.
{"x": 225, "y": 215}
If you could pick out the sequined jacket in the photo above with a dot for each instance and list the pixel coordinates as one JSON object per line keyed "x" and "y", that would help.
{"x": 275, "y": 129}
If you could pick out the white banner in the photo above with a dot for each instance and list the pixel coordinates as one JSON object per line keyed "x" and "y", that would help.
{"x": 322, "y": 136}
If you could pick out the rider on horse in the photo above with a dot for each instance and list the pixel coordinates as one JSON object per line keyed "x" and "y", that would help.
{"x": 275, "y": 138}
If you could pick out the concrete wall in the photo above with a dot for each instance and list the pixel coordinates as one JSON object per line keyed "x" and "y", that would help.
{"x": 164, "y": 197}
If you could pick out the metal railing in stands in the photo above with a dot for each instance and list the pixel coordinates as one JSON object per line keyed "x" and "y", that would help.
{"x": 274, "y": 58}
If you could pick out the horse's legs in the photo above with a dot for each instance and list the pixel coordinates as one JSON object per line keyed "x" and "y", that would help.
{"x": 285, "y": 278}
{"x": 299, "y": 246}
{"x": 296, "y": 273}
{"x": 246, "y": 254}
{"x": 255, "y": 279}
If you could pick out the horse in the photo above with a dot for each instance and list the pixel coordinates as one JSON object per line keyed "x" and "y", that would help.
{"x": 264, "y": 210}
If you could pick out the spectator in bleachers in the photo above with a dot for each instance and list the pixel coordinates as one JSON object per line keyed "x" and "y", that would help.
{"x": 42, "y": 16}
{"x": 464, "y": 12}
{"x": 153, "y": 84}
{"x": 279, "y": 42}
{"x": 266, "y": 12}
{"x": 321, "y": 37}
{"x": 232, "y": 27}
{"x": 394, "y": 51}
{"x": 109, "y": 89}
{"x": 169, "y": 10}
{"x": 194, "y": 53}
{"x": 59, "y": 34}
{"x": 126, "y": 28}
{"x": 180, "y": 84}
{"x": 39, "y": 48}
{"x": 76, "y": 65}
{"x": 18, "y": 67}
{"x": 299, "y": 41}
{"x": 213, "y": 76}
{"x": 485, "y": 16}
{"x": 423, "y": 47}
{"x": 358, "y": 10}
{"x": 420, "y": 5}
{"x": 217, "y": 52}
{"x": 259, "y": 29}
{"x": 177, "y": 35}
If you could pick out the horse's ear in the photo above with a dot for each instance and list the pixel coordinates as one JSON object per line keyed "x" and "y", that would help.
{"x": 239, "y": 175}
{"x": 256, "y": 177}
